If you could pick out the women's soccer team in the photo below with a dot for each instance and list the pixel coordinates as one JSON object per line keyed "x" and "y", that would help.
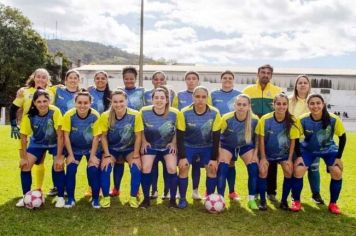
{"x": 190, "y": 128}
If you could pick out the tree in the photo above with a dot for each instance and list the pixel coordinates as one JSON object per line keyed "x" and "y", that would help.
{"x": 56, "y": 71}
{"x": 22, "y": 50}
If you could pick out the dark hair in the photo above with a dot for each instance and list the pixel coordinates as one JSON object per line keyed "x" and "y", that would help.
{"x": 165, "y": 90}
{"x": 83, "y": 92}
{"x": 289, "y": 118}
{"x": 191, "y": 72}
{"x": 72, "y": 71}
{"x": 33, "y": 111}
{"x": 107, "y": 91}
{"x": 295, "y": 94}
{"x": 227, "y": 72}
{"x": 129, "y": 69}
{"x": 157, "y": 73}
{"x": 325, "y": 116}
{"x": 266, "y": 66}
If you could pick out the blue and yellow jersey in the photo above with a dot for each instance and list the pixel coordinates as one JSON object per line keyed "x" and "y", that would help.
{"x": 159, "y": 130}
{"x": 81, "y": 130}
{"x": 135, "y": 97}
{"x": 25, "y": 100}
{"x": 262, "y": 100}
{"x": 148, "y": 97}
{"x": 64, "y": 99}
{"x": 224, "y": 101}
{"x": 98, "y": 99}
{"x": 121, "y": 134}
{"x": 233, "y": 130}
{"x": 316, "y": 139}
{"x": 42, "y": 128}
{"x": 276, "y": 140}
{"x": 199, "y": 128}
{"x": 184, "y": 98}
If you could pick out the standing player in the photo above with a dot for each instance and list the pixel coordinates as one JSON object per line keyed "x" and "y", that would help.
{"x": 159, "y": 138}
{"x": 100, "y": 92}
{"x": 224, "y": 100}
{"x": 41, "y": 122}
{"x": 81, "y": 134}
{"x": 319, "y": 127}
{"x": 199, "y": 136}
{"x": 297, "y": 107}
{"x": 277, "y": 133}
{"x": 238, "y": 138}
{"x": 262, "y": 94}
{"x": 121, "y": 139}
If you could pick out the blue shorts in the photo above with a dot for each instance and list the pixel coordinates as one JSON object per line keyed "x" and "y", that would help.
{"x": 39, "y": 152}
{"x": 235, "y": 152}
{"x": 120, "y": 154}
{"x": 156, "y": 153}
{"x": 202, "y": 155}
{"x": 309, "y": 158}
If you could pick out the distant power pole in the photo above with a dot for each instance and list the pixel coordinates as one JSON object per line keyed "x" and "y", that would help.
{"x": 56, "y": 29}
{"x": 140, "y": 82}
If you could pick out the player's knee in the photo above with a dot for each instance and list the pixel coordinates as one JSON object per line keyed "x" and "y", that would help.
{"x": 211, "y": 172}
{"x": 171, "y": 169}
{"x": 336, "y": 172}
{"x": 299, "y": 171}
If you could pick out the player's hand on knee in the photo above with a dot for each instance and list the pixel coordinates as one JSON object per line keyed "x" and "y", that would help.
{"x": 213, "y": 165}
{"x": 338, "y": 163}
{"x": 24, "y": 163}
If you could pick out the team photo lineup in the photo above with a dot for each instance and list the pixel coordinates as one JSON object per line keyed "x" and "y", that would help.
{"x": 187, "y": 131}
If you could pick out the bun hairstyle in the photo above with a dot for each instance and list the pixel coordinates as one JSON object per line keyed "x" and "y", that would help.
{"x": 325, "y": 117}
{"x": 289, "y": 118}
{"x": 33, "y": 111}
{"x": 107, "y": 91}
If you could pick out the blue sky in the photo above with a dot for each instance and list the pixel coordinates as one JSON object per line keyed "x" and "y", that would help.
{"x": 294, "y": 33}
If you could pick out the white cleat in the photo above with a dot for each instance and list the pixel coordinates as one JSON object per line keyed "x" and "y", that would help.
{"x": 20, "y": 203}
{"x": 196, "y": 195}
{"x": 60, "y": 202}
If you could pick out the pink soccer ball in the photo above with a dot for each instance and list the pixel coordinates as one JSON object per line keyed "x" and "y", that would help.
{"x": 34, "y": 199}
{"x": 214, "y": 203}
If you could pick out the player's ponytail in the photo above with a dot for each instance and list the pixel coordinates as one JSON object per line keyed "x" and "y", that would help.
{"x": 325, "y": 116}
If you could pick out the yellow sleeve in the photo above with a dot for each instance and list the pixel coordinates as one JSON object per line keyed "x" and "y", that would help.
{"x": 294, "y": 132}
{"x": 223, "y": 124}
{"x": 66, "y": 121}
{"x": 175, "y": 102}
{"x": 96, "y": 125}
{"x": 339, "y": 127}
{"x": 25, "y": 127}
{"x": 181, "y": 121}
{"x": 57, "y": 118}
{"x": 104, "y": 122}
{"x": 217, "y": 122}
{"x": 260, "y": 128}
{"x": 138, "y": 123}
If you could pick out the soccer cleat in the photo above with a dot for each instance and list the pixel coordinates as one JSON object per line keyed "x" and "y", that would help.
{"x": 70, "y": 203}
{"x": 60, "y": 202}
{"x": 105, "y": 202}
{"x": 262, "y": 206}
{"x": 182, "y": 203}
{"x": 133, "y": 202}
{"x": 284, "y": 205}
{"x": 172, "y": 204}
{"x": 166, "y": 196}
{"x": 333, "y": 208}
{"x": 95, "y": 204}
{"x": 114, "y": 192}
{"x": 154, "y": 195}
{"x": 88, "y": 193}
{"x": 317, "y": 198}
{"x": 234, "y": 196}
{"x": 145, "y": 203}
{"x": 272, "y": 197}
{"x": 177, "y": 195}
{"x": 296, "y": 206}
{"x": 252, "y": 205}
{"x": 20, "y": 203}
{"x": 196, "y": 195}
{"x": 52, "y": 192}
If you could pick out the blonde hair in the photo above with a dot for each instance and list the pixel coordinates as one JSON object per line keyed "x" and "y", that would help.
{"x": 30, "y": 83}
{"x": 248, "y": 120}
{"x": 295, "y": 95}
{"x": 112, "y": 114}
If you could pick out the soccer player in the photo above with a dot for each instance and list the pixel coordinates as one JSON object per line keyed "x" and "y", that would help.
{"x": 121, "y": 139}
{"x": 41, "y": 123}
{"x": 40, "y": 78}
{"x": 101, "y": 92}
{"x": 262, "y": 94}
{"x": 198, "y": 138}
{"x": 238, "y": 138}
{"x": 319, "y": 127}
{"x": 224, "y": 100}
{"x": 159, "y": 137}
{"x": 81, "y": 134}
{"x": 135, "y": 94}
{"x": 297, "y": 107}
{"x": 158, "y": 79}
{"x": 277, "y": 133}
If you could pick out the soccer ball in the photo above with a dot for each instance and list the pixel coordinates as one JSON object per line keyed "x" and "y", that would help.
{"x": 214, "y": 203}
{"x": 34, "y": 199}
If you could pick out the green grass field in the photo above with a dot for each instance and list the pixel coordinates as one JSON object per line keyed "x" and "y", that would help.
{"x": 120, "y": 219}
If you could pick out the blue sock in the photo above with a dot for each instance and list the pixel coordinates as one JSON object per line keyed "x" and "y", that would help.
{"x": 223, "y": 169}
{"x": 252, "y": 170}
{"x": 146, "y": 182}
{"x": 195, "y": 174}
{"x": 211, "y": 184}
{"x": 53, "y": 177}
{"x": 314, "y": 179}
{"x": 59, "y": 182}
{"x": 183, "y": 186}
{"x": 335, "y": 188}
{"x": 297, "y": 188}
{"x": 231, "y": 176}
{"x": 94, "y": 180}
{"x": 172, "y": 180}
{"x": 70, "y": 180}
{"x": 135, "y": 180}
{"x": 287, "y": 185}
{"x": 165, "y": 179}
{"x": 262, "y": 187}
{"x": 105, "y": 180}
{"x": 155, "y": 174}
{"x": 26, "y": 181}
{"x": 118, "y": 173}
